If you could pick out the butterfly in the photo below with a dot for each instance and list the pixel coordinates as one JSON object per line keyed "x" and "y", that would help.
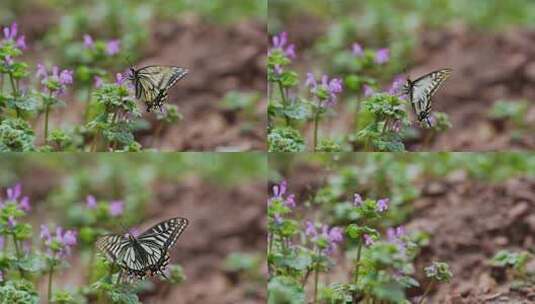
{"x": 147, "y": 254}
{"x": 152, "y": 83}
{"x": 421, "y": 90}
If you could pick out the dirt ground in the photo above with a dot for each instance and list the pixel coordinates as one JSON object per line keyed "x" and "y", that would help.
{"x": 468, "y": 221}
{"x": 220, "y": 60}
{"x": 487, "y": 67}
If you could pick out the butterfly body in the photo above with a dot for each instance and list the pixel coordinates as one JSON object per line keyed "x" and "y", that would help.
{"x": 152, "y": 82}
{"x": 421, "y": 90}
{"x": 147, "y": 254}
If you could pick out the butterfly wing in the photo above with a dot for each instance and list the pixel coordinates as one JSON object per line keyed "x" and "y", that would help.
{"x": 152, "y": 83}
{"x": 157, "y": 241}
{"x": 114, "y": 246}
{"x": 422, "y": 89}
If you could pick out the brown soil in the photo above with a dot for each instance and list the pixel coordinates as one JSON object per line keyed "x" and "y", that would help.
{"x": 215, "y": 231}
{"x": 220, "y": 59}
{"x": 469, "y": 223}
{"x": 487, "y": 68}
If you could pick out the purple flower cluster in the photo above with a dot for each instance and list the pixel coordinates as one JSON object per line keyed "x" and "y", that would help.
{"x": 381, "y": 56}
{"x": 112, "y": 47}
{"x": 397, "y": 84}
{"x": 333, "y": 87}
{"x": 14, "y": 194}
{"x": 115, "y": 208}
{"x": 382, "y": 204}
{"x": 357, "y": 50}
{"x": 63, "y": 77}
{"x": 10, "y": 34}
{"x": 58, "y": 245}
{"x": 394, "y": 236}
{"x": 279, "y": 192}
{"x": 357, "y": 200}
{"x": 333, "y": 235}
{"x": 280, "y": 42}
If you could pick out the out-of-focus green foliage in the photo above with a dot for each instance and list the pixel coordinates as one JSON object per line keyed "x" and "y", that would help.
{"x": 379, "y": 15}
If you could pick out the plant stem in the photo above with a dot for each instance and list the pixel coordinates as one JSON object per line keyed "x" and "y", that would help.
{"x": 91, "y": 262}
{"x": 14, "y": 91}
{"x": 356, "y": 274}
{"x": 427, "y": 290}
{"x": 17, "y": 253}
{"x": 47, "y": 110}
{"x": 50, "y": 274}
{"x": 316, "y": 277}
{"x": 316, "y": 123}
{"x": 284, "y": 100}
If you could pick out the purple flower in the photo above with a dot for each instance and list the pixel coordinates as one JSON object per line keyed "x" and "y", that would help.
{"x": 97, "y": 82}
{"x": 1, "y": 242}
{"x": 113, "y": 47}
{"x": 69, "y": 238}
{"x": 290, "y": 201}
{"x": 278, "y": 219}
{"x": 333, "y": 236}
{"x": 368, "y": 91}
{"x": 311, "y": 81}
{"x": 45, "y": 232}
{"x": 357, "y": 50}
{"x": 278, "y": 69}
{"x": 333, "y": 87}
{"x": 21, "y": 42}
{"x": 310, "y": 229}
{"x": 59, "y": 244}
{"x": 10, "y": 33}
{"x": 8, "y": 60}
{"x": 14, "y": 193}
{"x": 357, "y": 200}
{"x": 66, "y": 77}
{"x": 368, "y": 240}
{"x": 116, "y": 208}
{"x": 397, "y": 84}
{"x": 24, "y": 204}
{"x": 382, "y": 56}
{"x": 91, "y": 202}
{"x": 88, "y": 41}
{"x": 135, "y": 232}
{"x": 41, "y": 71}
{"x": 280, "y": 189}
{"x": 11, "y": 222}
{"x": 280, "y": 41}
{"x": 382, "y": 204}
{"x": 278, "y": 193}
{"x": 119, "y": 79}
{"x": 394, "y": 236}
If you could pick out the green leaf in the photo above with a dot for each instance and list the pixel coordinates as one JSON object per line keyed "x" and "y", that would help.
{"x": 284, "y": 290}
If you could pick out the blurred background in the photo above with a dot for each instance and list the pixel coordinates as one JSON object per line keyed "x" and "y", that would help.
{"x": 221, "y": 103}
{"x": 470, "y": 210}
{"x": 489, "y": 44}
{"x": 222, "y": 254}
